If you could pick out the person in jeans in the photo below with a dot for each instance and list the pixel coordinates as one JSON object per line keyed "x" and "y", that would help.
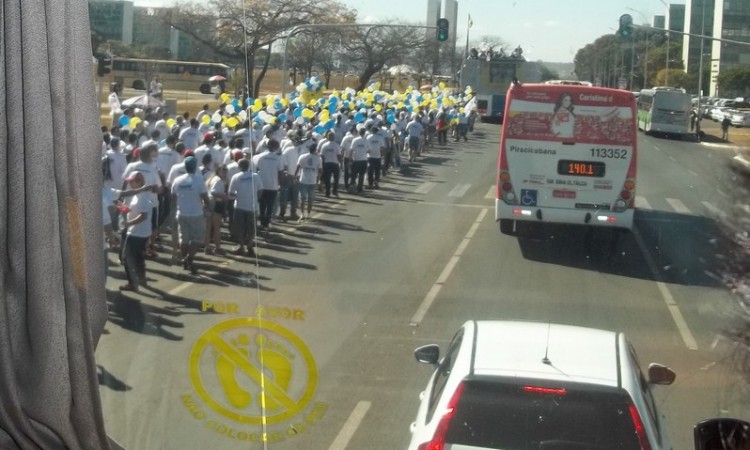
{"x": 330, "y": 152}
{"x": 308, "y": 172}
{"x": 138, "y": 231}
{"x": 271, "y": 170}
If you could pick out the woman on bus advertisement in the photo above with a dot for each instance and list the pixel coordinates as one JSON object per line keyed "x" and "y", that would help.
{"x": 563, "y": 119}
{"x": 549, "y": 116}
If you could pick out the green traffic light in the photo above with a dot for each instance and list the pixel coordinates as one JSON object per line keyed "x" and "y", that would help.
{"x": 626, "y": 26}
{"x": 443, "y": 28}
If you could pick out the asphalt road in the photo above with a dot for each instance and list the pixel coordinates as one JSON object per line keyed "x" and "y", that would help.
{"x": 347, "y": 297}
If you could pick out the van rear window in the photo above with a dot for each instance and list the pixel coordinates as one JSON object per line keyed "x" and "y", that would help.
{"x": 500, "y": 415}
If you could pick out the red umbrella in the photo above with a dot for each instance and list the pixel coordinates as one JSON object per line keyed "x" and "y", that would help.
{"x": 217, "y": 78}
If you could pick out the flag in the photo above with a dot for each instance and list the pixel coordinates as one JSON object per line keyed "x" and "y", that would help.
{"x": 471, "y": 22}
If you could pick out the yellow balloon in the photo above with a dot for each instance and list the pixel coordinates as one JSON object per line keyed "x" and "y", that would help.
{"x": 232, "y": 122}
{"x": 226, "y": 98}
{"x": 205, "y": 119}
{"x": 378, "y": 107}
{"x": 170, "y": 123}
{"x": 441, "y": 85}
{"x": 324, "y": 116}
{"x": 134, "y": 122}
{"x": 308, "y": 113}
{"x": 269, "y": 100}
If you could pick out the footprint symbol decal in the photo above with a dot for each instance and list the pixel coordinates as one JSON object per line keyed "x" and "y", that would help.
{"x": 275, "y": 360}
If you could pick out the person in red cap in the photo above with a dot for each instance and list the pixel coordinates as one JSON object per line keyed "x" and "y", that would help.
{"x": 138, "y": 231}
{"x": 205, "y": 148}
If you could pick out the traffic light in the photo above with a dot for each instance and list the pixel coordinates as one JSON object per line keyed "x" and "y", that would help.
{"x": 105, "y": 61}
{"x": 626, "y": 26}
{"x": 443, "y": 28}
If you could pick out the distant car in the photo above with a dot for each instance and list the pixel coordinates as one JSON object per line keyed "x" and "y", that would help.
{"x": 740, "y": 118}
{"x": 524, "y": 385}
{"x": 718, "y": 113}
{"x": 741, "y": 162}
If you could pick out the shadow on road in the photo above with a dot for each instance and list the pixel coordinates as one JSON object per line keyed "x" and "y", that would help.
{"x": 682, "y": 249}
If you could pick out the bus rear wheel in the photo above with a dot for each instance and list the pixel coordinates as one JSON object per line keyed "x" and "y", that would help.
{"x": 205, "y": 88}
{"x": 506, "y": 226}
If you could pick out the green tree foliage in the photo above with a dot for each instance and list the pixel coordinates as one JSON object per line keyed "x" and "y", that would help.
{"x": 735, "y": 81}
{"x": 549, "y": 74}
{"x": 673, "y": 77}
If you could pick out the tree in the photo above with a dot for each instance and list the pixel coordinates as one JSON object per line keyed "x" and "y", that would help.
{"x": 372, "y": 48}
{"x": 238, "y": 29}
{"x": 674, "y": 77}
{"x": 735, "y": 81}
{"x": 548, "y": 74}
{"x": 313, "y": 49}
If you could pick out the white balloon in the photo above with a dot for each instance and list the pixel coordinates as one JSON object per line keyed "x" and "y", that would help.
{"x": 271, "y": 109}
{"x": 243, "y": 115}
{"x": 216, "y": 117}
{"x": 229, "y": 109}
{"x": 299, "y": 120}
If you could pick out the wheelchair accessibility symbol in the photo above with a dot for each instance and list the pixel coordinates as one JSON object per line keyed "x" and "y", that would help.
{"x": 528, "y": 197}
{"x": 253, "y": 371}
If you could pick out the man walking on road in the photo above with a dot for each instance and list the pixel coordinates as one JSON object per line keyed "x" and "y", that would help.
{"x": 330, "y": 152}
{"x": 271, "y": 170}
{"x": 725, "y": 123}
{"x": 243, "y": 190}
{"x": 308, "y": 172}
{"x": 190, "y": 195}
{"x": 360, "y": 147}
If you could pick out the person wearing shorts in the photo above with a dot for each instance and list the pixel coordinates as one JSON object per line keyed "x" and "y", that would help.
{"x": 190, "y": 196}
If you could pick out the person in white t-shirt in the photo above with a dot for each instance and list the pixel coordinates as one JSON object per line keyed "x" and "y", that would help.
{"x": 147, "y": 166}
{"x": 309, "y": 168}
{"x": 360, "y": 147}
{"x": 138, "y": 226}
{"x": 217, "y": 200}
{"x": 244, "y": 189}
{"x": 191, "y": 136}
{"x": 289, "y": 195}
{"x": 346, "y": 152}
{"x": 330, "y": 152}
{"x": 374, "y": 157}
{"x": 190, "y": 196}
{"x": 270, "y": 167}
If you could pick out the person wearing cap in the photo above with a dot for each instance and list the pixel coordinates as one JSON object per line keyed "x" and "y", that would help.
{"x": 190, "y": 196}
{"x": 330, "y": 152}
{"x": 309, "y": 168}
{"x": 138, "y": 231}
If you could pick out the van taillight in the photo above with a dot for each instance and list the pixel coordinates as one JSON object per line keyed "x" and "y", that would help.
{"x": 441, "y": 432}
{"x": 640, "y": 430}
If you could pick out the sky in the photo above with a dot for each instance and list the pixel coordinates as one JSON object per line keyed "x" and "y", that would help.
{"x": 547, "y": 30}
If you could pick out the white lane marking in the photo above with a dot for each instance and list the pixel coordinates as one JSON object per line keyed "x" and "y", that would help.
{"x": 492, "y": 193}
{"x": 180, "y": 288}
{"x": 642, "y": 203}
{"x": 692, "y": 172}
{"x": 656, "y": 147}
{"x": 460, "y": 205}
{"x": 459, "y": 191}
{"x": 425, "y": 187}
{"x": 674, "y": 310}
{"x": 722, "y": 193}
{"x": 443, "y": 277}
{"x": 350, "y": 426}
{"x": 672, "y": 158}
{"x": 678, "y": 206}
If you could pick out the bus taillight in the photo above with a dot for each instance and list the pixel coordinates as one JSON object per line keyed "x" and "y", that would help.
{"x": 625, "y": 195}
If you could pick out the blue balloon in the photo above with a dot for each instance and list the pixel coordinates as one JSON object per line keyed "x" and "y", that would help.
{"x": 124, "y": 121}
{"x": 297, "y": 112}
{"x": 236, "y": 103}
{"x": 332, "y": 108}
{"x": 282, "y": 117}
{"x": 333, "y": 99}
{"x": 330, "y": 124}
{"x": 320, "y": 129}
{"x": 390, "y": 119}
{"x": 258, "y": 120}
{"x": 359, "y": 117}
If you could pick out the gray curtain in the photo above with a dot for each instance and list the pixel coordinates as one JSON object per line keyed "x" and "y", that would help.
{"x": 52, "y": 304}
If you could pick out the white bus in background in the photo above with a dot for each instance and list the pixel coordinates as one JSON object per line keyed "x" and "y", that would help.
{"x": 568, "y": 156}
{"x": 664, "y": 111}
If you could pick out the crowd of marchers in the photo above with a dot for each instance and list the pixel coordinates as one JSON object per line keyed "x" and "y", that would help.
{"x": 173, "y": 183}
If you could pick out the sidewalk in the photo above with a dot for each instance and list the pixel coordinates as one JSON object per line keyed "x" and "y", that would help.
{"x": 739, "y": 138}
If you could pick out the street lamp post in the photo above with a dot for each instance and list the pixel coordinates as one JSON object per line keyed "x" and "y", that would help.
{"x": 666, "y": 27}
{"x": 700, "y": 63}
